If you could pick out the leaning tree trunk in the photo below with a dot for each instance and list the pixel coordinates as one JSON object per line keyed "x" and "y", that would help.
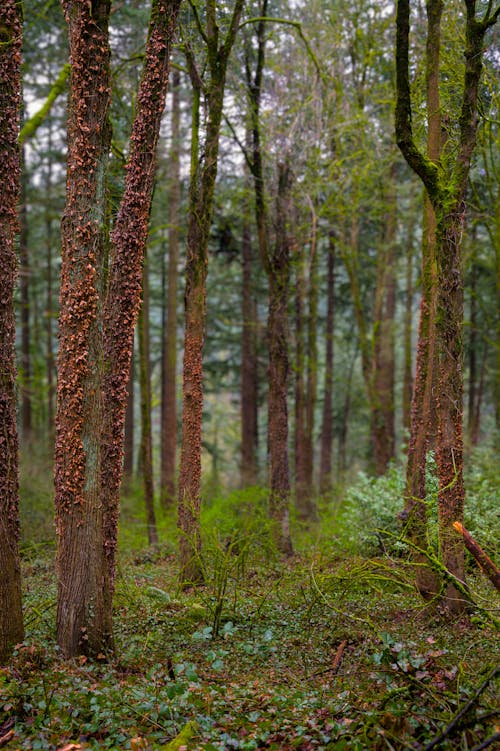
{"x": 128, "y": 242}
{"x": 11, "y": 616}
{"x": 83, "y": 621}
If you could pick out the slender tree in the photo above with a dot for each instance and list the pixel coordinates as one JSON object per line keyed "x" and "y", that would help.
{"x": 445, "y": 183}
{"x": 169, "y": 365}
{"x": 11, "y": 617}
{"x": 204, "y": 162}
{"x": 326, "y": 456}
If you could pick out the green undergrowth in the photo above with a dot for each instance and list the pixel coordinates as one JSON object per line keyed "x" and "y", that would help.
{"x": 330, "y": 649}
{"x": 310, "y": 653}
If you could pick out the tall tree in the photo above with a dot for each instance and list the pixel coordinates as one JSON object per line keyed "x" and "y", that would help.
{"x": 204, "y": 162}
{"x": 169, "y": 364}
{"x": 445, "y": 183}
{"x": 11, "y": 617}
{"x": 98, "y": 315}
{"x": 326, "y": 458}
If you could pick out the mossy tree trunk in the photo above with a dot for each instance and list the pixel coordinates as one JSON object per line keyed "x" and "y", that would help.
{"x": 11, "y": 616}
{"x": 277, "y": 336}
{"x": 201, "y": 195}
{"x": 445, "y": 184}
{"x": 423, "y": 406}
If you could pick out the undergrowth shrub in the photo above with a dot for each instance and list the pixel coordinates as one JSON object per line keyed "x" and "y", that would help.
{"x": 368, "y": 518}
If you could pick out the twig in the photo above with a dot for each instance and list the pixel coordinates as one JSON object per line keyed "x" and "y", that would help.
{"x": 455, "y": 721}
{"x": 487, "y": 742}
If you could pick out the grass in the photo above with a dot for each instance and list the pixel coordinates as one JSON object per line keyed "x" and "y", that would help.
{"x": 331, "y": 649}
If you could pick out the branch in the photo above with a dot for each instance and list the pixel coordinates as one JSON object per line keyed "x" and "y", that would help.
{"x": 296, "y": 25}
{"x": 423, "y": 167}
{"x": 31, "y": 126}
{"x": 483, "y": 561}
{"x": 238, "y": 141}
{"x": 455, "y": 721}
{"x": 197, "y": 21}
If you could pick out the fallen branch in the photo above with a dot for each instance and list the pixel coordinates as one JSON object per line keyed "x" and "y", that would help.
{"x": 484, "y": 562}
{"x": 459, "y": 716}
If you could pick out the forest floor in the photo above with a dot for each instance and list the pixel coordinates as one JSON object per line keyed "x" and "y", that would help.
{"x": 328, "y": 650}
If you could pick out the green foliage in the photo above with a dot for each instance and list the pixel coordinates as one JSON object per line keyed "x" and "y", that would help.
{"x": 287, "y": 671}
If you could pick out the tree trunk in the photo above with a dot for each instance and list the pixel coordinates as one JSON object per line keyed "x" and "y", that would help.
{"x": 49, "y": 312}
{"x": 383, "y": 339}
{"x": 249, "y": 375}
{"x": 128, "y": 459}
{"x": 146, "y": 432}
{"x": 277, "y": 334}
{"x": 83, "y": 621}
{"x": 169, "y": 371}
{"x": 300, "y": 448}
{"x": 423, "y": 409}
{"x": 128, "y": 242}
{"x": 201, "y": 194}
{"x": 96, "y": 338}
{"x": 325, "y": 469}
{"x": 408, "y": 346}
{"x": 24, "y": 284}
{"x": 312, "y": 364}
{"x": 446, "y": 186}
{"x": 11, "y": 616}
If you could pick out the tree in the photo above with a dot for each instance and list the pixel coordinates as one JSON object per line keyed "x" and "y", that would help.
{"x": 445, "y": 182}
{"x": 169, "y": 361}
{"x": 11, "y": 617}
{"x": 204, "y": 161}
{"x": 98, "y": 315}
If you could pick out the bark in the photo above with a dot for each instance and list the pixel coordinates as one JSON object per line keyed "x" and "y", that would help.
{"x": 446, "y": 186}
{"x": 384, "y": 438}
{"x": 483, "y": 560}
{"x": 83, "y": 620}
{"x": 201, "y": 194}
{"x": 96, "y": 337}
{"x": 128, "y": 242}
{"x": 249, "y": 374}
{"x": 49, "y": 312}
{"x": 423, "y": 409}
{"x": 325, "y": 469}
{"x": 312, "y": 365}
{"x": 408, "y": 346}
{"x": 277, "y": 335}
{"x": 146, "y": 448}
{"x": 169, "y": 374}
{"x": 24, "y": 284}
{"x": 300, "y": 447}
{"x": 11, "y": 617}
{"x": 128, "y": 458}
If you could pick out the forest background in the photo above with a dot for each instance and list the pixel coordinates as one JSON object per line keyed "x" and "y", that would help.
{"x": 316, "y": 212}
